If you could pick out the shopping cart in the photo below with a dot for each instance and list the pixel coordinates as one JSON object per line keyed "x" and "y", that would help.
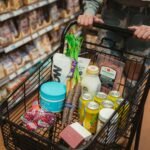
{"x": 120, "y": 136}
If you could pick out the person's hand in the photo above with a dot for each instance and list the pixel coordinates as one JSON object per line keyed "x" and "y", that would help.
{"x": 142, "y": 32}
{"x": 88, "y": 20}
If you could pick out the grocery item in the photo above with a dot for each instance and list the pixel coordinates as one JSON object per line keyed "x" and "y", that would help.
{"x": 32, "y": 51}
{"x": 43, "y": 44}
{"x": 17, "y": 59}
{"x": 84, "y": 100}
{"x": 41, "y": 18}
{"x": 13, "y": 29}
{"x": 107, "y": 104}
{"x": 52, "y": 96}
{"x": 25, "y": 56}
{"x": 75, "y": 99}
{"x": 3, "y": 93}
{"x": 91, "y": 82}
{"x": 33, "y": 20}
{"x": 37, "y": 118}
{"x": 61, "y": 67}
{"x": 2, "y": 72}
{"x": 15, "y": 4}
{"x": 23, "y": 25}
{"x": 114, "y": 96}
{"x": 91, "y": 116}
{"x": 27, "y": 2}
{"x": 119, "y": 101}
{"x": 2, "y": 6}
{"x": 104, "y": 116}
{"x": 111, "y": 71}
{"x": 8, "y": 65}
{"x": 75, "y": 134}
{"x": 6, "y": 36}
{"x": 99, "y": 97}
{"x": 54, "y": 13}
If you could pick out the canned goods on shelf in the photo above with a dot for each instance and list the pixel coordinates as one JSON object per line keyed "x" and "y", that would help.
{"x": 91, "y": 116}
{"x": 85, "y": 98}
{"x": 113, "y": 95}
{"x": 100, "y": 96}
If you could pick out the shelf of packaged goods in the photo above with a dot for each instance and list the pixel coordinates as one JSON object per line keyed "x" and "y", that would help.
{"x": 37, "y": 34}
{"x": 25, "y": 68}
{"x": 25, "y": 9}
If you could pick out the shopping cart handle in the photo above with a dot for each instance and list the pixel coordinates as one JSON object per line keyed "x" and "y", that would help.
{"x": 121, "y": 31}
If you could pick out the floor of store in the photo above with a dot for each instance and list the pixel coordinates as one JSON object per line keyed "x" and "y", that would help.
{"x": 144, "y": 141}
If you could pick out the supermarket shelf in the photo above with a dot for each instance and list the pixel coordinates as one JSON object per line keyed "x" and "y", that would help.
{"x": 25, "y": 9}
{"x": 25, "y": 68}
{"x": 36, "y": 35}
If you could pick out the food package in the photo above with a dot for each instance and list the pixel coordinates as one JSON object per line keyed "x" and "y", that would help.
{"x": 43, "y": 44}
{"x": 2, "y": 6}
{"x": 111, "y": 71}
{"x": 11, "y": 86}
{"x": 3, "y": 93}
{"x": 37, "y": 118}
{"x": 54, "y": 34}
{"x": 2, "y": 72}
{"x": 27, "y": 2}
{"x": 17, "y": 59}
{"x": 32, "y": 51}
{"x": 13, "y": 29}
{"x": 25, "y": 56}
{"x": 6, "y": 36}
{"x": 33, "y": 20}
{"x": 54, "y": 13}
{"x": 23, "y": 25}
{"x": 41, "y": 18}
{"x": 70, "y": 6}
{"x": 15, "y": 4}
{"x": 8, "y": 65}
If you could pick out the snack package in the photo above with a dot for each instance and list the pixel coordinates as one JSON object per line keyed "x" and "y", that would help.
{"x": 43, "y": 44}
{"x": 54, "y": 34}
{"x": 54, "y": 13}
{"x": 17, "y": 59}
{"x": 2, "y": 6}
{"x": 70, "y": 6}
{"x": 32, "y": 51}
{"x": 33, "y": 20}
{"x": 27, "y": 2}
{"x": 111, "y": 71}
{"x": 23, "y": 25}
{"x": 25, "y": 56}
{"x": 15, "y": 4}
{"x": 41, "y": 17}
{"x": 2, "y": 72}
{"x": 6, "y": 36}
{"x": 13, "y": 29}
{"x": 3, "y": 93}
{"x": 11, "y": 86}
{"x": 8, "y": 65}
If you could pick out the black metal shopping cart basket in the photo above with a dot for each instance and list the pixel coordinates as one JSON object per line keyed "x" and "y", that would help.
{"x": 120, "y": 136}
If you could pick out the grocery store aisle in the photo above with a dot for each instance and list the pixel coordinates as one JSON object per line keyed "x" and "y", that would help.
{"x": 144, "y": 141}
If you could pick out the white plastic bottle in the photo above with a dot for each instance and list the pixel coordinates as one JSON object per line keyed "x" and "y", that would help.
{"x": 91, "y": 82}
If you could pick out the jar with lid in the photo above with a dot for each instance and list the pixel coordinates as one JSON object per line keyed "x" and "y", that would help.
{"x": 110, "y": 131}
{"x": 91, "y": 82}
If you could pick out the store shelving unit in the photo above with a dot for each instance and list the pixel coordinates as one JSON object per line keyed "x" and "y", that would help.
{"x": 21, "y": 42}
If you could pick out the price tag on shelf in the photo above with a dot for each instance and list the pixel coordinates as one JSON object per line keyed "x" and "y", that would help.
{"x": 5, "y": 16}
{"x": 27, "y": 39}
{"x": 42, "y": 3}
{"x": 34, "y": 36}
{"x": 19, "y": 43}
{"x": 12, "y": 76}
{"x": 49, "y": 28}
{"x": 57, "y": 24}
{"x": 41, "y": 32}
{"x": 25, "y": 9}
{"x": 17, "y": 12}
{"x": 31, "y": 7}
{"x": 10, "y": 48}
{"x": 29, "y": 65}
{"x": 21, "y": 70}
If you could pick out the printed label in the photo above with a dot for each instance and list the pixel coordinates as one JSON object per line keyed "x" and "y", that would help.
{"x": 57, "y": 73}
{"x": 107, "y": 76}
